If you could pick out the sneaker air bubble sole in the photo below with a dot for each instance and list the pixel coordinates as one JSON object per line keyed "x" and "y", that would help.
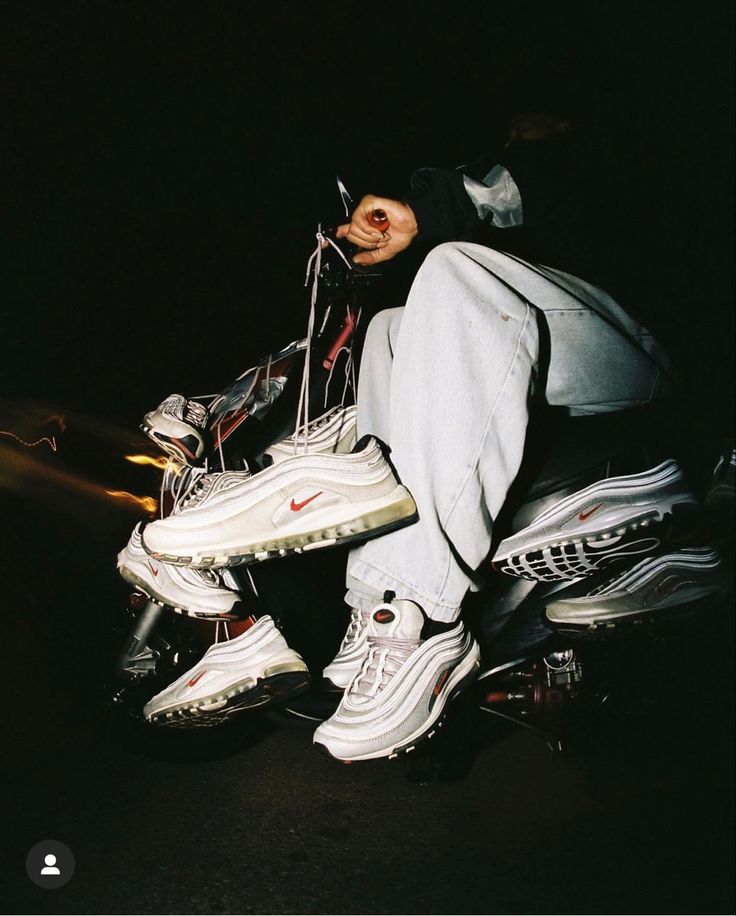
{"x": 250, "y": 693}
{"x": 630, "y": 619}
{"x": 387, "y": 518}
{"x": 648, "y": 591}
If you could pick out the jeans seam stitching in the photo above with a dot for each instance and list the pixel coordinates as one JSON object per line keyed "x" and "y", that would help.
{"x": 486, "y": 429}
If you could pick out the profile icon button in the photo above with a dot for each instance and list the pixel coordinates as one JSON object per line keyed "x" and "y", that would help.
{"x": 50, "y": 864}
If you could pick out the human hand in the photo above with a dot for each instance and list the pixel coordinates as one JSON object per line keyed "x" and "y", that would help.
{"x": 380, "y": 246}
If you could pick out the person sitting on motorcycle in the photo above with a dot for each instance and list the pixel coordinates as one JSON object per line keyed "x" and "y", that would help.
{"x": 511, "y": 304}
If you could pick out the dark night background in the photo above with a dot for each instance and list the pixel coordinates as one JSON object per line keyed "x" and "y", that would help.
{"x": 165, "y": 168}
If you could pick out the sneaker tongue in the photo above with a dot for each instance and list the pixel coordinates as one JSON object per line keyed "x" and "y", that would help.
{"x": 399, "y": 620}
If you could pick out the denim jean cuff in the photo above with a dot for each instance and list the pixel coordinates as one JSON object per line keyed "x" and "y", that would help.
{"x": 365, "y": 575}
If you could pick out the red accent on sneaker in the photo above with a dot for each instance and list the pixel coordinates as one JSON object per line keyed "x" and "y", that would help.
{"x": 196, "y": 678}
{"x": 295, "y": 507}
{"x": 187, "y": 451}
{"x": 150, "y": 566}
{"x": 441, "y": 682}
{"x": 583, "y": 515}
{"x": 238, "y": 627}
{"x": 383, "y": 616}
{"x": 227, "y": 425}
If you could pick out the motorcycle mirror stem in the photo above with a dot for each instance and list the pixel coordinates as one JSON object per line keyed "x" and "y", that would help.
{"x": 377, "y": 217}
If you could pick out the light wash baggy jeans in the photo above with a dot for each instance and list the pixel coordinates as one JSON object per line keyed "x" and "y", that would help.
{"x": 446, "y": 381}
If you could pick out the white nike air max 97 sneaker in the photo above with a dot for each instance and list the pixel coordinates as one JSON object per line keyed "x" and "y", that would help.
{"x": 179, "y": 427}
{"x": 254, "y": 669}
{"x": 651, "y": 586}
{"x": 399, "y": 694}
{"x": 194, "y": 592}
{"x": 302, "y": 503}
{"x": 610, "y": 521}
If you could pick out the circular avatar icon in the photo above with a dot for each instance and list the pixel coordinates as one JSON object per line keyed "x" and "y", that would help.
{"x": 50, "y": 864}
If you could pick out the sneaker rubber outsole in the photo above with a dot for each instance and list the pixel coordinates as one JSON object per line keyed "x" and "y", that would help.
{"x": 570, "y": 556}
{"x": 565, "y": 542}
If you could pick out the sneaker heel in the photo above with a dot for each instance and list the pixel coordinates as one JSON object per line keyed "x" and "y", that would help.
{"x": 285, "y": 685}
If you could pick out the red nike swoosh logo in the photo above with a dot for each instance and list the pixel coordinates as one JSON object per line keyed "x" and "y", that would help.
{"x": 295, "y": 507}
{"x": 195, "y": 679}
{"x": 154, "y": 571}
{"x": 584, "y": 515}
{"x": 383, "y": 616}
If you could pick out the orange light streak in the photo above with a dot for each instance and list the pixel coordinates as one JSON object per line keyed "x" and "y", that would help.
{"x": 49, "y": 440}
{"x": 155, "y": 461}
{"x": 26, "y": 471}
{"x": 147, "y": 503}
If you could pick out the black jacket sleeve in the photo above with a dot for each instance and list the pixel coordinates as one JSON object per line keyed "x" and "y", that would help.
{"x": 441, "y": 205}
{"x": 549, "y": 184}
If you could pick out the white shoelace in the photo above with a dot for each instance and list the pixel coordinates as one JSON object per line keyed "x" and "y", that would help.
{"x": 385, "y": 657}
{"x": 188, "y": 489}
{"x": 358, "y": 622}
{"x": 195, "y": 413}
{"x": 195, "y": 493}
{"x": 179, "y": 481}
{"x": 314, "y": 266}
{"x": 350, "y": 378}
{"x": 316, "y": 424}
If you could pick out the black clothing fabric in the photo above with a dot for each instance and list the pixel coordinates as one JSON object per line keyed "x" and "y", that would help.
{"x": 567, "y": 223}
